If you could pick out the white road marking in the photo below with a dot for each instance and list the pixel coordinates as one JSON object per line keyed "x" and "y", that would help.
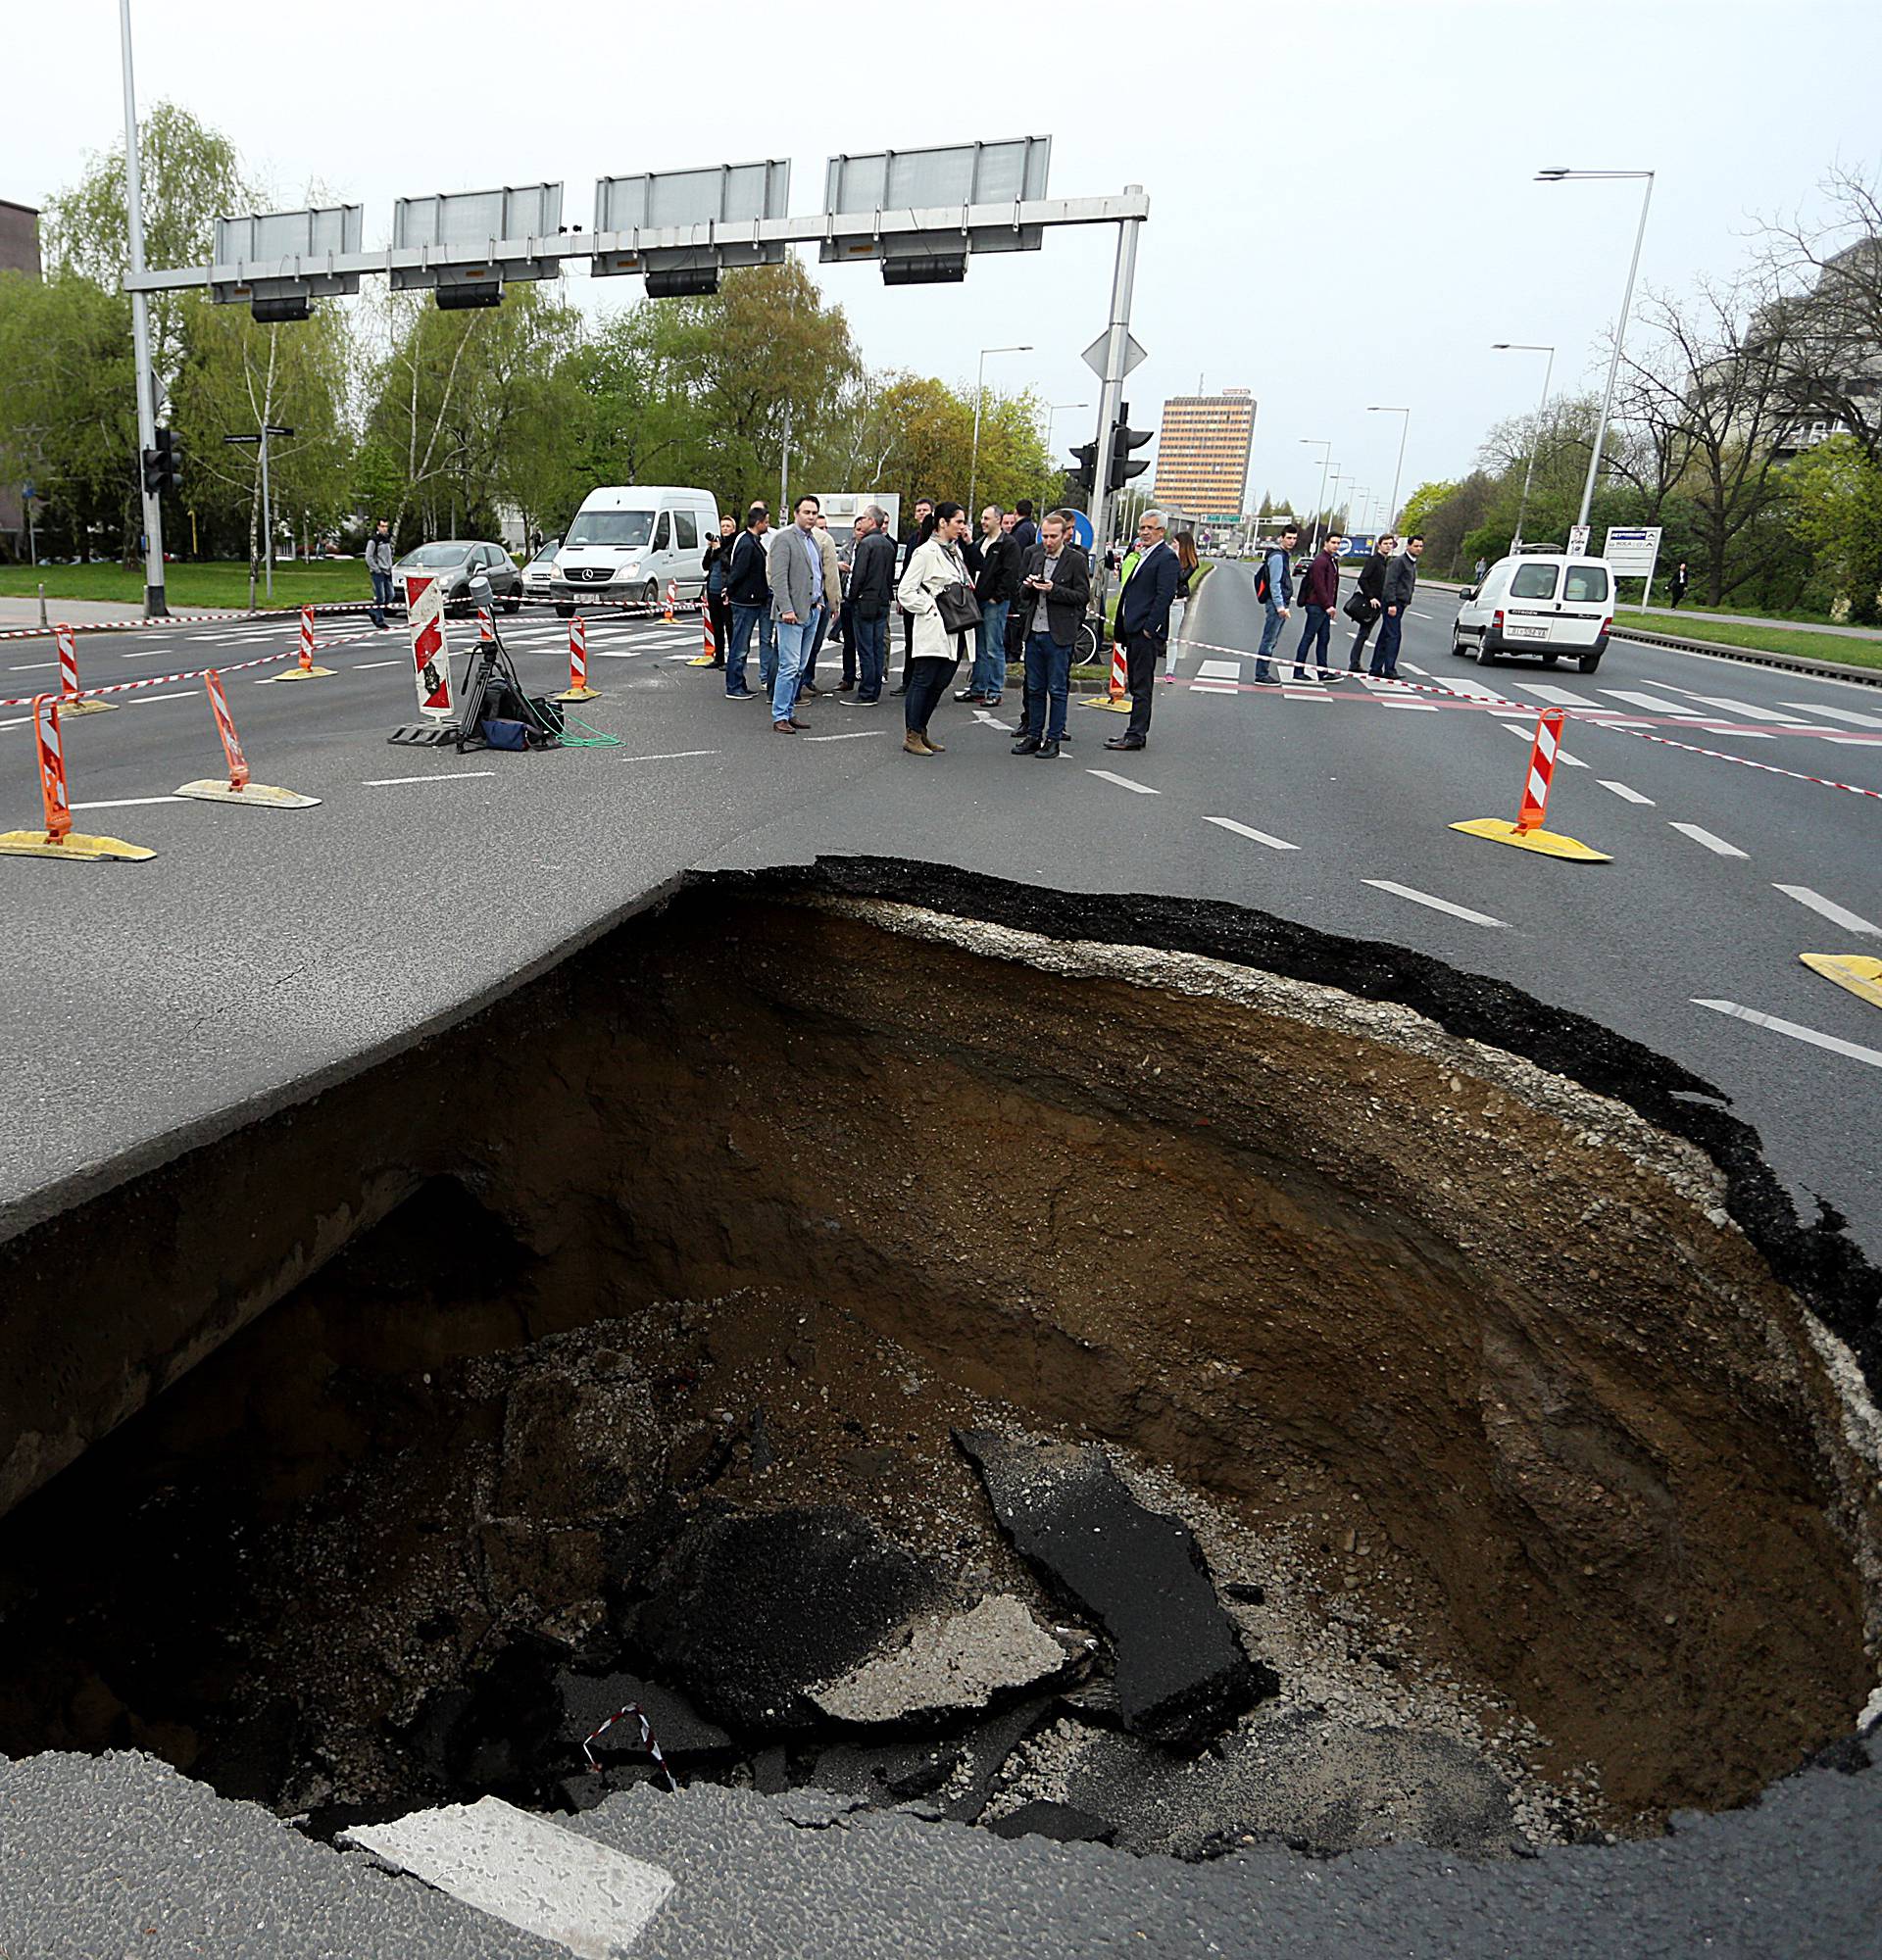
{"x": 685, "y": 755}
{"x": 1305, "y": 693}
{"x": 980, "y": 715}
{"x": 1837, "y": 915}
{"x": 19, "y": 721}
{"x": 1557, "y": 696}
{"x": 1475, "y": 689}
{"x": 610, "y": 654}
{"x": 1625, "y": 793}
{"x": 1847, "y": 714}
{"x": 855, "y": 735}
{"x": 1437, "y": 905}
{"x": 34, "y": 666}
{"x": 444, "y": 776}
{"x": 1401, "y": 701}
{"x": 365, "y": 666}
{"x": 1213, "y": 687}
{"x": 1748, "y": 709}
{"x": 1852, "y": 1050}
{"x": 127, "y": 802}
{"x": 1717, "y": 845}
{"x": 1219, "y": 671}
{"x": 1259, "y": 836}
{"x": 1123, "y": 782}
{"x": 181, "y": 694}
{"x": 1671, "y": 710}
{"x": 1527, "y": 730}
{"x": 1411, "y": 668}
{"x": 527, "y": 1871}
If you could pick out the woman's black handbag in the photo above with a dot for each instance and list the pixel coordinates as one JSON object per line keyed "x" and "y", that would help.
{"x": 958, "y": 608}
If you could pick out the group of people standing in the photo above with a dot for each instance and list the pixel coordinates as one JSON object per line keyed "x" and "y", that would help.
{"x": 1386, "y": 583}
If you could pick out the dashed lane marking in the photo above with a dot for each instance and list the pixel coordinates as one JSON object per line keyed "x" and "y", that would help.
{"x": 1411, "y": 668}
{"x": 367, "y": 667}
{"x": 1717, "y": 845}
{"x": 181, "y": 694}
{"x": 1828, "y": 908}
{"x": 127, "y": 802}
{"x": 1625, "y": 793}
{"x": 686, "y": 755}
{"x": 443, "y": 776}
{"x": 1847, "y": 714}
{"x": 1123, "y": 782}
{"x": 1854, "y": 1051}
{"x": 853, "y": 735}
{"x": 1437, "y": 905}
{"x": 1257, "y": 836}
{"x": 34, "y": 666}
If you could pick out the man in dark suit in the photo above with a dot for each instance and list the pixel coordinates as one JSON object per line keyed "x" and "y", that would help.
{"x": 1052, "y": 596}
{"x": 1142, "y": 626}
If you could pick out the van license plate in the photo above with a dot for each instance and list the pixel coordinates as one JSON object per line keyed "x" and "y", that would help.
{"x": 1527, "y": 632}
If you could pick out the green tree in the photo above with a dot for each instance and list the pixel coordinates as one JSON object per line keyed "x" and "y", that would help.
{"x": 1835, "y": 507}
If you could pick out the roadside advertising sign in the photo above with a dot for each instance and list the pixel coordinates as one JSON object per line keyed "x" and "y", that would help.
{"x": 430, "y": 657}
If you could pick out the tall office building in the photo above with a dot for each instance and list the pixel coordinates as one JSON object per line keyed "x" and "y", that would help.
{"x": 1201, "y": 453}
{"x": 19, "y": 253}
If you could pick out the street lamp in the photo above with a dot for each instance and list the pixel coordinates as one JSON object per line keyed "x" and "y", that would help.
{"x": 1620, "y": 326}
{"x": 1405, "y": 429}
{"x": 1325, "y": 446}
{"x": 154, "y": 606}
{"x": 1052, "y": 417}
{"x": 268, "y": 509}
{"x": 1542, "y": 407}
{"x": 979, "y": 382}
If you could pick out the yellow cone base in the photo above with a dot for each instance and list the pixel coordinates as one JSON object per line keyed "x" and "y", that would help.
{"x": 212, "y": 789}
{"x": 1546, "y": 843}
{"x": 1855, "y": 971}
{"x": 77, "y": 847}
{"x": 701, "y": 660}
{"x": 305, "y": 673}
{"x": 68, "y": 709}
{"x": 582, "y": 693}
{"x": 1121, "y": 706}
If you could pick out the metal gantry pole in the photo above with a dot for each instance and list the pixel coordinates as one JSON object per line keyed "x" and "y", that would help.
{"x": 268, "y": 522}
{"x": 1111, "y": 394}
{"x": 154, "y": 606}
{"x": 1614, "y": 364}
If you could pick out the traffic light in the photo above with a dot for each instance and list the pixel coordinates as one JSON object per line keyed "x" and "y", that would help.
{"x": 1122, "y": 441}
{"x": 1086, "y": 476}
{"x": 163, "y": 465}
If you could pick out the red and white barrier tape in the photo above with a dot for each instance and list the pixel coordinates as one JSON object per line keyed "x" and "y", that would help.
{"x": 631, "y": 606}
{"x": 647, "y": 1741}
{"x": 194, "y": 673}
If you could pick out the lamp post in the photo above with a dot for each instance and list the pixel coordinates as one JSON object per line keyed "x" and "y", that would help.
{"x": 154, "y": 606}
{"x": 1325, "y": 446}
{"x": 1052, "y": 417}
{"x": 1620, "y": 326}
{"x": 1405, "y": 429}
{"x": 979, "y": 383}
{"x": 1332, "y": 499}
{"x": 268, "y": 510}
{"x": 1548, "y": 374}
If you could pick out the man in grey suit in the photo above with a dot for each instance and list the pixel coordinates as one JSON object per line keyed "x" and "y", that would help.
{"x": 797, "y": 604}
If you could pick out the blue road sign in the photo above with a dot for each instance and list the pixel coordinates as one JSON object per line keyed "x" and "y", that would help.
{"x": 1081, "y": 529}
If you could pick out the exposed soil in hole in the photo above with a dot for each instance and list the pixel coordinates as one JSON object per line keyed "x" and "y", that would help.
{"x": 1535, "y": 1501}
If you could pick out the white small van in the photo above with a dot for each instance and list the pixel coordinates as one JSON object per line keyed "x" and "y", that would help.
{"x": 1540, "y": 602}
{"x": 628, "y": 542}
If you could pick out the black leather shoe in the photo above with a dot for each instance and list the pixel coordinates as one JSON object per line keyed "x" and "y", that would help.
{"x": 1126, "y": 742}
{"x": 1027, "y": 745}
{"x": 1047, "y": 752}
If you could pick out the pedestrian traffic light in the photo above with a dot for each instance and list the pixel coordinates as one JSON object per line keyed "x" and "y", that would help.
{"x": 1122, "y": 441}
{"x": 163, "y": 465}
{"x": 1086, "y": 476}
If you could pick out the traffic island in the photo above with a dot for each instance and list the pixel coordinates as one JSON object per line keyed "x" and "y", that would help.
{"x": 739, "y": 1323}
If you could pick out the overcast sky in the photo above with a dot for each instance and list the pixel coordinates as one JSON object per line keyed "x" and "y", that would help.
{"x": 1341, "y": 210}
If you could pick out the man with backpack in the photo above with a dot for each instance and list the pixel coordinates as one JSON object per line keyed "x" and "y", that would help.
{"x": 1400, "y": 581}
{"x": 1274, "y": 588}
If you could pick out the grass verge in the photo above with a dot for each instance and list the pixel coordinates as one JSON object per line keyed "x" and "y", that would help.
{"x": 1797, "y": 641}
{"x": 223, "y": 583}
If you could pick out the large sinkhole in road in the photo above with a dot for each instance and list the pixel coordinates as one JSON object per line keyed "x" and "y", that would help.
{"x": 1116, "y": 1368}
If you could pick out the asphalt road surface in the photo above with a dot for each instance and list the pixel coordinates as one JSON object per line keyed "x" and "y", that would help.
{"x": 262, "y": 952}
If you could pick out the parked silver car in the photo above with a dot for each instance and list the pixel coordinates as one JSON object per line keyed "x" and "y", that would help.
{"x": 456, "y": 562}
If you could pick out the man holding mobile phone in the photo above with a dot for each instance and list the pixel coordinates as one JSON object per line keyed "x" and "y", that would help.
{"x": 1055, "y": 590}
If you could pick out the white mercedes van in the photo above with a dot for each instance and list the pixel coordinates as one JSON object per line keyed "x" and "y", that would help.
{"x": 626, "y": 542}
{"x": 1541, "y": 603}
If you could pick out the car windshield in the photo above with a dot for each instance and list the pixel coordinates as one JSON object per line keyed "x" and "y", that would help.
{"x": 1586, "y": 582}
{"x": 438, "y": 554}
{"x": 611, "y": 527}
{"x": 546, "y": 556}
{"x": 1533, "y": 581}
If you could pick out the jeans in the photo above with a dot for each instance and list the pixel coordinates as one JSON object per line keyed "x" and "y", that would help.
{"x": 381, "y": 596}
{"x": 1385, "y": 656}
{"x": 1319, "y": 623}
{"x": 871, "y": 638}
{"x": 929, "y": 678}
{"x": 807, "y": 677}
{"x": 846, "y": 632}
{"x": 1355, "y": 654}
{"x": 1270, "y": 633}
{"x": 1142, "y": 651}
{"x": 990, "y": 650}
{"x": 744, "y": 619}
{"x": 1048, "y": 686}
{"x": 794, "y": 643}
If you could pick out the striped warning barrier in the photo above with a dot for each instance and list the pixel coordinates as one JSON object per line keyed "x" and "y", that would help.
{"x": 186, "y": 674}
{"x": 238, "y": 788}
{"x": 648, "y": 1741}
{"x": 578, "y": 688}
{"x": 672, "y": 600}
{"x": 1116, "y": 694}
{"x": 305, "y": 670}
{"x": 1527, "y": 833}
{"x": 57, "y": 839}
{"x": 486, "y": 627}
{"x": 71, "y": 697}
{"x": 708, "y": 654}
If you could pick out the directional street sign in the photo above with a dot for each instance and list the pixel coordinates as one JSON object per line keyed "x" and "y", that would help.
{"x": 1577, "y": 540}
{"x": 1095, "y": 353}
{"x": 1632, "y": 552}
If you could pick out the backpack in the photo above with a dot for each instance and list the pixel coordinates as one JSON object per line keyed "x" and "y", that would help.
{"x": 1265, "y": 578}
